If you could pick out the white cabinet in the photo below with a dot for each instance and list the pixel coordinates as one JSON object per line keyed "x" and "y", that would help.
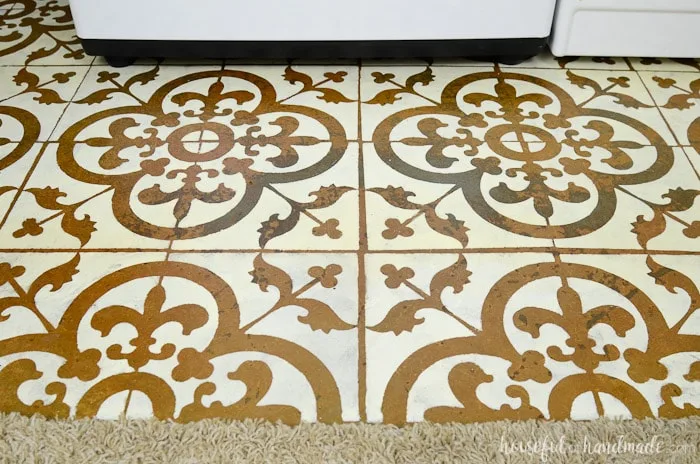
{"x": 663, "y": 28}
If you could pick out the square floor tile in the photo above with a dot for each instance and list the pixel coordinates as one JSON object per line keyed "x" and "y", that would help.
{"x": 185, "y": 153}
{"x": 481, "y": 337}
{"x": 484, "y": 156}
{"x": 184, "y": 336}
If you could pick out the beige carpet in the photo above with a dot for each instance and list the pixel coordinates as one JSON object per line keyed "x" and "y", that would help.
{"x": 29, "y": 440}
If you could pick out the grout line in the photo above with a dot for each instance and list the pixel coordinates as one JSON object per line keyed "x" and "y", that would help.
{"x": 629, "y": 64}
{"x": 21, "y": 187}
{"x": 688, "y": 155}
{"x": 361, "y": 271}
{"x": 474, "y": 251}
{"x": 531, "y": 142}
{"x": 527, "y": 68}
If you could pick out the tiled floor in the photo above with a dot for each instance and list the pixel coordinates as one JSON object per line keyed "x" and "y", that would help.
{"x": 401, "y": 241}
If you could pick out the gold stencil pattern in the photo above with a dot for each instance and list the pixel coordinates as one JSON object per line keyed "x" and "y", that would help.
{"x": 383, "y": 242}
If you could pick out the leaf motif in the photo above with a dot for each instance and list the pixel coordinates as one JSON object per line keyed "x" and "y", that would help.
{"x": 326, "y": 276}
{"x": 75, "y": 54}
{"x": 328, "y": 228}
{"x": 695, "y": 87}
{"x": 143, "y": 78}
{"x": 396, "y": 228}
{"x": 6, "y": 188}
{"x": 47, "y": 197}
{"x": 292, "y": 76}
{"x": 24, "y": 76}
{"x": 396, "y": 196}
{"x": 274, "y": 227}
{"x": 402, "y": 317}
{"x": 30, "y": 226}
{"x": 335, "y": 76}
{"x": 265, "y": 274}
{"x": 62, "y": 78}
{"x": 98, "y": 96}
{"x": 681, "y": 199}
{"x": 381, "y": 78}
{"x": 672, "y": 280}
{"x": 451, "y": 227}
{"x": 628, "y": 101}
{"x": 664, "y": 83}
{"x": 48, "y": 96}
{"x": 320, "y": 316}
{"x": 583, "y": 82}
{"x": 57, "y": 277}
{"x": 424, "y": 77}
{"x": 40, "y": 53}
{"x": 326, "y": 196}
{"x": 693, "y": 230}
{"x": 455, "y": 276}
{"x": 680, "y": 102}
{"x": 386, "y": 97}
{"x": 646, "y": 230}
{"x": 332, "y": 96}
{"x": 81, "y": 229}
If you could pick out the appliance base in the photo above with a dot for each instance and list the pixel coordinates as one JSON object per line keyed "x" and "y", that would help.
{"x": 121, "y": 53}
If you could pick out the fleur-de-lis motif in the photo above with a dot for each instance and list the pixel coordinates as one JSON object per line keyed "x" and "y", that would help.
{"x": 189, "y": 316}
{"x": 211, "y": 100}
{"x": 511, "y": 103}
{"x": 284, "y": 140}
{"x": 437, "y": 143}
{"x": 577, "y": 324}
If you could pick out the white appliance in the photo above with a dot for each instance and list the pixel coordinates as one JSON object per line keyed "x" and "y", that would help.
{"x": 663, "y": 28}
{"x": 506, "y": 29}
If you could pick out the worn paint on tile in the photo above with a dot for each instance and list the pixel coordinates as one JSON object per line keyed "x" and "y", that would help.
{"x": 378, "y": 242}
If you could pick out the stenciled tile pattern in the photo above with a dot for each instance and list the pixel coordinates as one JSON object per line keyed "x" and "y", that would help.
{"x": 381, "y": 241}
{"x": 34, "y": 32}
